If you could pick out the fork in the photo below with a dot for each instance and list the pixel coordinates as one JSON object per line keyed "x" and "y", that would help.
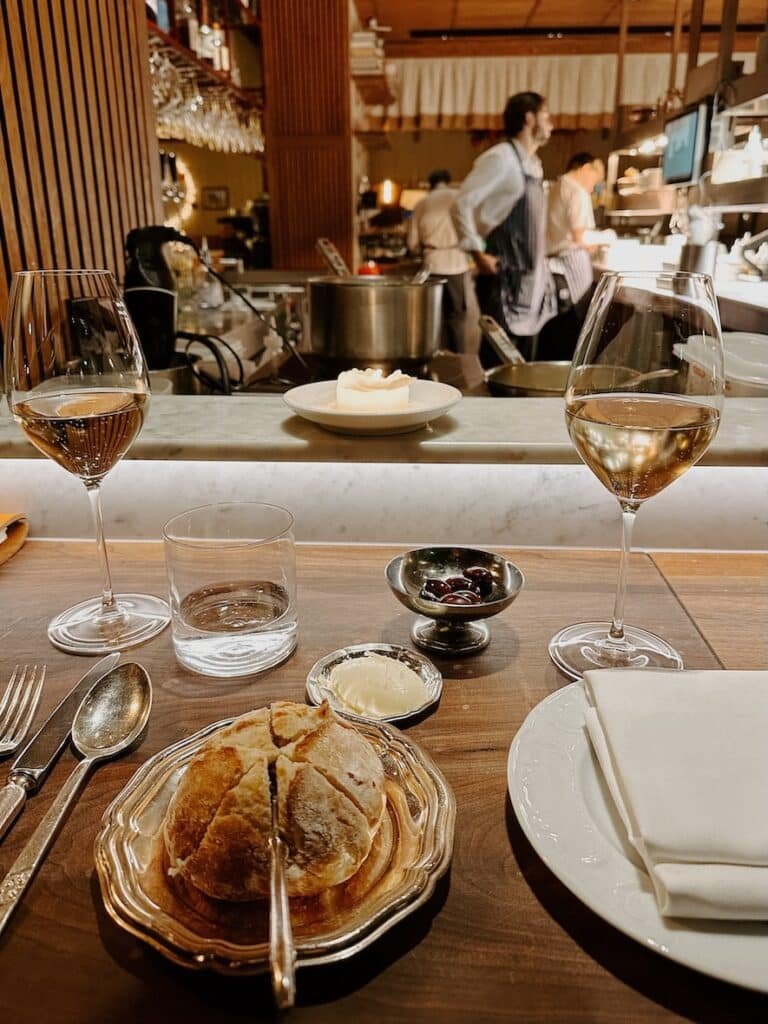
{"x": 18, "y": 706}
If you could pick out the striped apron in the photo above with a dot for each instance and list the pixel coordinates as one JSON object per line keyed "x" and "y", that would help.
{"x": 528, "y": 296}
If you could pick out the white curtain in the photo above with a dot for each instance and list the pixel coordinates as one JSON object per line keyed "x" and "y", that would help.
{"x": 470, "y": 92}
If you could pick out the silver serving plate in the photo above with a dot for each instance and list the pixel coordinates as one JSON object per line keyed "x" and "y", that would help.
{"x": 318, "y": 688}
{"x": 411, "y": 852}
{"x": 451, "y": 629}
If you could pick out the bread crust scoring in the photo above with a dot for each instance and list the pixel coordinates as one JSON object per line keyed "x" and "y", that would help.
{"x": 330, "y": 800}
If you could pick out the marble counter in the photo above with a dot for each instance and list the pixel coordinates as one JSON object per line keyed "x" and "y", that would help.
{"x": 494, "y": 472}
{"x": 481, "y": 431}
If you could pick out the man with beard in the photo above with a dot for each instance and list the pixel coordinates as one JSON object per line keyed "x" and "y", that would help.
{"x": 500, "y": 216}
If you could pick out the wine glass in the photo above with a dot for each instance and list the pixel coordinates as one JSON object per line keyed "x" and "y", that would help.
{"x": 642, "y": 404}
{"x": 77, "y": 385}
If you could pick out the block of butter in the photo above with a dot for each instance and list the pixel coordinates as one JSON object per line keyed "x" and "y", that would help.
{"x": 371, "y": 391}
{"x": 376, "y": 686}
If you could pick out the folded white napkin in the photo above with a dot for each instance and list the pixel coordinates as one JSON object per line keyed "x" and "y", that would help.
{"x": 685, "y": 756}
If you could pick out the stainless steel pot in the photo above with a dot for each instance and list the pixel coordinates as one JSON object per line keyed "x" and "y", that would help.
{"x": 384, "y": 321}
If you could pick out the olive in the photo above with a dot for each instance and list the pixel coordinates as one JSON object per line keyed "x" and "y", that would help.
{"x": 481, "y": 578}
{"x": 456, "y": 583}
{"x": 435, "y": 587}
{"x": 470, "y": 595}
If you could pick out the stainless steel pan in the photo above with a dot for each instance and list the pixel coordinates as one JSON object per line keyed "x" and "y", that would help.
{"x": 548, "y": 379}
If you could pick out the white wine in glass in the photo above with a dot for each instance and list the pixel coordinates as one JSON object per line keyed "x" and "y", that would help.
{"x": 77, "y": 385}
{"x": 658, "y": 335}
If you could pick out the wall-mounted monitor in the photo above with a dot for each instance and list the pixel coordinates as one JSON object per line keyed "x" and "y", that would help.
{"x": 687, "y": 134}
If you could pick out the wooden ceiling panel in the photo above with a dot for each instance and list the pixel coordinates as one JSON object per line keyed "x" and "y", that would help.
{"x": 407, "y": 16}
{"x": 599, "y": 13}
{"x": 487, "y": 15}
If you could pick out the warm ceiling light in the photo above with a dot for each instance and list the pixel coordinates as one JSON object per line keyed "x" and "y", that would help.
{"x": 388, "y": 192}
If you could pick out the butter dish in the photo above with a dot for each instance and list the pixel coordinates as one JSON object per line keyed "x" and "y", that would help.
{"x": 381, "y": 692}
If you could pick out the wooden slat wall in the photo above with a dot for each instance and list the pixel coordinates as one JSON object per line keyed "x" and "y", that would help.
{"x": 79, "y": 162}
{"x": 308, "y": 135}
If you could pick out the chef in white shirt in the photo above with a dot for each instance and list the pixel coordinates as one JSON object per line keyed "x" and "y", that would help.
{"x": 570, "y": 235}
{"x": 432, "y": 233}
{"x": 500, "y": 217}
{"x": 570, "y": 215}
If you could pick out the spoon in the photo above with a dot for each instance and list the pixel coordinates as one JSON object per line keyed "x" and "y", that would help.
{"x": 110, "y": 719}
{"x": 640, "y": 378}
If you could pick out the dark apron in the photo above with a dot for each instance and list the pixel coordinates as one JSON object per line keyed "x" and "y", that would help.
{"x": 527, "y": 291}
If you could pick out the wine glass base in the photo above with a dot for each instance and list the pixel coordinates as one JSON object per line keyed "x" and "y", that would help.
{"x": 85, "y": 629}
{"x": 587, "y": 645}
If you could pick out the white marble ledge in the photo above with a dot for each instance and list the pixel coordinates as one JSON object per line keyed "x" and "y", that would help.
{"x": 478, "y": 430}
{"x": 748, "y": 293}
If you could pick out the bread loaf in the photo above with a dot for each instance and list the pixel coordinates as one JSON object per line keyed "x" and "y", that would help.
{"x": 329, "y": 786}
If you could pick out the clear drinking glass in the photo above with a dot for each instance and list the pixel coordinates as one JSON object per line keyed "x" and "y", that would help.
{"x": 77, "y": 385}
{"x": 232, "y": 578}
{"x": 642, "y": 405}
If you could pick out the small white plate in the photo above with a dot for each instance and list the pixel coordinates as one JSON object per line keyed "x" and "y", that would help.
{"x": 317, "y": 680}
{"x": 316, "y": 402}
{"x": 562, "y": 803}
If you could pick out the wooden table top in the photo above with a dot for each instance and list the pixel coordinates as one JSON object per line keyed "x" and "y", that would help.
{"x": 502, "y": 939}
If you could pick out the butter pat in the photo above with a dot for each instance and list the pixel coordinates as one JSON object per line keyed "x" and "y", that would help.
{"x": 377, "y": 686}
{"x": 371, "y": 391}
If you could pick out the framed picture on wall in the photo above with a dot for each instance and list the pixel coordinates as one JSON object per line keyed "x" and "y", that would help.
{"x": 215, "y": 197}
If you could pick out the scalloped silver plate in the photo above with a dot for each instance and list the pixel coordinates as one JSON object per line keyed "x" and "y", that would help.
{"x": 561, "y": 801}
{"x": 317, "y": 688}
{"x": 419, "y": 821}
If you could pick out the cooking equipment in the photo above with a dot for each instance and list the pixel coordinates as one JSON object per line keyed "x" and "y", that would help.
{"x": 516, "y": 378}
{"x": 547, "y": 379}
{"x": 150, "y": 293}
{"x": 375, "y": 321}
{"x": 332, "y": 257}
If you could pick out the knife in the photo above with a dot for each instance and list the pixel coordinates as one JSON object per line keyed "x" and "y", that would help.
{"x": 30, "y": 768}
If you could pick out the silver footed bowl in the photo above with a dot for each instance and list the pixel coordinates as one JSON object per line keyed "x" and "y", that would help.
{"x": 451, "y": 629}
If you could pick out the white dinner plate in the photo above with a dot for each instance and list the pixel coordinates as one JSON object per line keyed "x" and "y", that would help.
{"x": 560, "y": 799}
{"x": 316, "y": 402}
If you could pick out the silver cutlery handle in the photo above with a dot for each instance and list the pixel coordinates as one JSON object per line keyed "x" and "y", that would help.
{"x": 12, "y": 798}
{"x": 282, "y": 952}
{"x": 23, "y": 869}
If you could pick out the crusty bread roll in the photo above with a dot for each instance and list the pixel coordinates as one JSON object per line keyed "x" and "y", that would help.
{"x": 330, "y": 799}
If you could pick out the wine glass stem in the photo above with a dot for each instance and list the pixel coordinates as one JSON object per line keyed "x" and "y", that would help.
{"x": 628, "y": 514}
{"x": 107, "y": 596}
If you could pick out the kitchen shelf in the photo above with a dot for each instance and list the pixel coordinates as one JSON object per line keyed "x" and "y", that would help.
{"x": 638, "y": 213}
{"x": 750, "y": 192}
{"x": 196, "y": 70}
{"x": 748, "y": 96}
